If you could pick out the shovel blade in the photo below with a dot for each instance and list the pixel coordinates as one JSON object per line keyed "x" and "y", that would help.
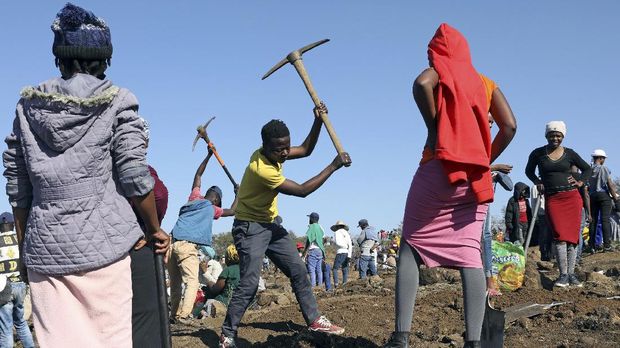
{"x": 526, "y": 310}
{"x": 492, "y": 327}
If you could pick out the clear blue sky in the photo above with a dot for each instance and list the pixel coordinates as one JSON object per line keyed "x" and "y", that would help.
{"x": 189, "y": 60}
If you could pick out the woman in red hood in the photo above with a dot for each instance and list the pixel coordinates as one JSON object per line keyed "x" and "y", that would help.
{"x": 448, "y": 198}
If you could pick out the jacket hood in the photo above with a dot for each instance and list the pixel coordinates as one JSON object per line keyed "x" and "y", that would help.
{"x": 449, "y": 43}
{"x": 61, "y": 112}
{"x": 519, "y": 188}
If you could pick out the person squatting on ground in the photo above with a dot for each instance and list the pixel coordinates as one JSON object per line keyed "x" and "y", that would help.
{"x": 218, "y": 295}
{"x": 210, "y": 267}
{"x": 314, "y": 252}
{"x": 12, "y": 312}
{"x": 344, "y": 251}
{"x": 446, "y": 204}
{"x": 368, "y": 240}
{"x": 602, "y": 190}
{"x": 518, "y": 214}
{"x": 77, "y": 149}
{"x": 192, "y": 230}
{"x": 256, "y": 234}
{"x": 563, "y": 203}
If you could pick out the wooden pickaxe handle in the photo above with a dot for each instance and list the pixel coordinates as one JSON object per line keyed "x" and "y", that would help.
{"x": 205, "y": 137}
{"x": 301, "y": 70}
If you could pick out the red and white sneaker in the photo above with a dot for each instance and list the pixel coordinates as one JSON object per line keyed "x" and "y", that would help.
{"x": 322, "y": 324}
{"x": 227, "y": 342}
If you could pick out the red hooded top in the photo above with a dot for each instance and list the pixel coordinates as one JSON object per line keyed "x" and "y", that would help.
{"x": 463, "y": 135}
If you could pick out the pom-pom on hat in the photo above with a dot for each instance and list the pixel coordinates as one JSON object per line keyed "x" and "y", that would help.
{"x": 79, "y": 34}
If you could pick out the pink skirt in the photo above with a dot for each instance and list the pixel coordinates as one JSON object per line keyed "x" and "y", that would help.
{"x": 443, "y": 222}
{"x": 91, "y": 309}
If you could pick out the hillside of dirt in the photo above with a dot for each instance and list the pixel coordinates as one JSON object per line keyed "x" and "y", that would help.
{"x": 588, "y": 317}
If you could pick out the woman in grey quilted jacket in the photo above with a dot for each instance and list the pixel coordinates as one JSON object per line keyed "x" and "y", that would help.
{"x": 76, "y": 153}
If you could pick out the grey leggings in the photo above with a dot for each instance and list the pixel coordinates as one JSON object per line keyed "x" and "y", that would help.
{"x": 407, "y": 281}
{"x": 566, "y": 256}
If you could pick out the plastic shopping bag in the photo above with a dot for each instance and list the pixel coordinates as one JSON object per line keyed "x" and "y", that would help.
{"x": 508, "y": 264}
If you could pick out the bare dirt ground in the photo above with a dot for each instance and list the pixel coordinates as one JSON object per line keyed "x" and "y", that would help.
{"x": 590, "y": 317}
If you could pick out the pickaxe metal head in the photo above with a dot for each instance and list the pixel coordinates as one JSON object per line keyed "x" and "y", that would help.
{"x": 293, "y": 56}
{"x": 202, "y": 132}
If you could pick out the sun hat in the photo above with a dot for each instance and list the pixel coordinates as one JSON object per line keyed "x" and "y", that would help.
{"x": 338, "y": 225}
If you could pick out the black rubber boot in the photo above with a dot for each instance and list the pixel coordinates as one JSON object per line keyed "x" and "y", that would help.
{"x": 398, "y": 340}
{"x": 472, "y": 344}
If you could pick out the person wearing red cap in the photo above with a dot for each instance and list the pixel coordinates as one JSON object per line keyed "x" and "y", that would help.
{"x": 300, "y": 249}
{"x": 448, "y": 198}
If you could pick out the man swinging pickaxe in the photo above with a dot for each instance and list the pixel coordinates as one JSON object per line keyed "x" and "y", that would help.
{"x": 202, "y": 133}
{"x": 295, "y": 59}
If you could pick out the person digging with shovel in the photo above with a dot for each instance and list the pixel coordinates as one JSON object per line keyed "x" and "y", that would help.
{"x": 256, "y": 233}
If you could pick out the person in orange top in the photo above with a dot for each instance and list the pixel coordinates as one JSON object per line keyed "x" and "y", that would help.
{"x": 448, "y": 198}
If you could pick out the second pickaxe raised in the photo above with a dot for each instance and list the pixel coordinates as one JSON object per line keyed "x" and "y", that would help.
{"x": 202, "y": 133}
{"x": 295, "y": 59}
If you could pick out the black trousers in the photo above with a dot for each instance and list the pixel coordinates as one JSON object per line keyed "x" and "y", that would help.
{"x": 600, "y": 202}
{"x": 144, "y": 307}
{"x": 253, "y": 240}
{"x": 545, "y": 238}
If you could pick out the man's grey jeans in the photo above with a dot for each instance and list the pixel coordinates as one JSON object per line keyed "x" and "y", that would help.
{"x": 253, "y": 240}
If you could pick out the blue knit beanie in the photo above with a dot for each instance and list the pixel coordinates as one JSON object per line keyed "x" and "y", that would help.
{"x": 79, "y": 34}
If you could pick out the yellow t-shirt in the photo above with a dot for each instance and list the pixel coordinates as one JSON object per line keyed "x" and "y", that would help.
{"x": 258, "y": 199}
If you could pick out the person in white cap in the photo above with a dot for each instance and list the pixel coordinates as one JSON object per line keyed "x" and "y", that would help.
{"x": 344, "y": 251}
{"x": 563, "y": 203}
{"x": 602, "y": 190}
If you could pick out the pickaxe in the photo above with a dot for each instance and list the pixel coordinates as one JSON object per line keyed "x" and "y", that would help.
{"x": 202, "y": 133}
{"x": 295, "y": 59}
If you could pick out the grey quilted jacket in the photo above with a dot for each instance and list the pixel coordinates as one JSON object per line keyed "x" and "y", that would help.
{"x": 76, "y": 151}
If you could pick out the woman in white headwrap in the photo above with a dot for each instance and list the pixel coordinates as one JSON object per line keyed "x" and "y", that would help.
{"x": 563, "y": 202}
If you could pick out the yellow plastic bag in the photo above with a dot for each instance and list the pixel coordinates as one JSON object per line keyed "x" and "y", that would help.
{"x": 509, "y": 265}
